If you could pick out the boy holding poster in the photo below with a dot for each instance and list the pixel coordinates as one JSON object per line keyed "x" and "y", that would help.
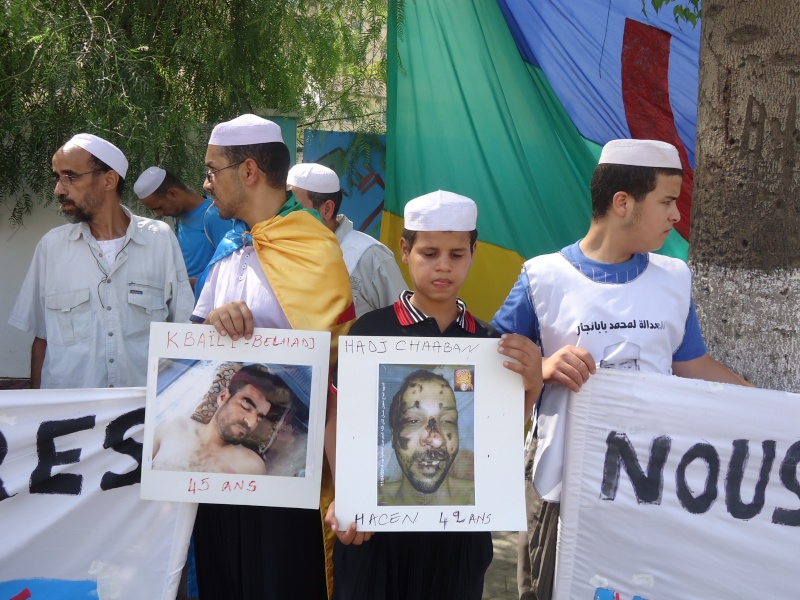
{"x": 438, "y": 245}
{"x": 607, "y": 302}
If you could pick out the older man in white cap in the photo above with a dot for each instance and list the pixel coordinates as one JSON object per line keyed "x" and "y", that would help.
{"x": 438, "y": 245}
{"x": 609, "y": 276}
{"x": 374, "y": 275}
{"x": 281, "y": 268}
{"x": 96, "y": 284}
{"x": 198, "y": 225}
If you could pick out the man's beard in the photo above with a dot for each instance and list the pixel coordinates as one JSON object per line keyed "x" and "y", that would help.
{"x": 429, "y": 485}
{"x": 228, "y": 211}
{"x": 233, "y": 202}
{"x": 76, "y": 215}
{"x": 229, "y": 436}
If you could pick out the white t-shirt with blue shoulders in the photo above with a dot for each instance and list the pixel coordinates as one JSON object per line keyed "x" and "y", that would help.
{"x": 634, "y": 315}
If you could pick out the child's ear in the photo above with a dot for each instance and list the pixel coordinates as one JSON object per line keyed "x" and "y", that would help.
{"x": 621, "y": 204}
{"x": 404, "y": 250}
{"x": 327, "y": 209}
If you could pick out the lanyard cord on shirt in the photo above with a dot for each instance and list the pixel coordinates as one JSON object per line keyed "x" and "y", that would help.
{"x": 103, "y": 270}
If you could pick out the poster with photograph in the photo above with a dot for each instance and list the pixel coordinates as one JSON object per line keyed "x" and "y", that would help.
{"x": 429, "y": 436}
{"x": 235, "y": 422}
{"x": 426, "y": 425}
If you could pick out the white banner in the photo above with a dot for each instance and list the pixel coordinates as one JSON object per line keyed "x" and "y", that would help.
{"x": 72, "y": 524}
{"x": 429, "y": 436}
{"x": 677, "y": 488}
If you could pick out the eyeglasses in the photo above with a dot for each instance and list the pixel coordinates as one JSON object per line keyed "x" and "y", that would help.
{"x": 210, "y": 174}
{"x": 68, "y": 180}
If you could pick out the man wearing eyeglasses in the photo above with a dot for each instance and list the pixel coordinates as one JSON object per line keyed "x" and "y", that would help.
{"x": 95, "y": 284}
{"x": 280, "y": 267}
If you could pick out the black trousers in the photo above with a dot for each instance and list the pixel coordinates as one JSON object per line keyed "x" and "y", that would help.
{"x": 259, "y": 553}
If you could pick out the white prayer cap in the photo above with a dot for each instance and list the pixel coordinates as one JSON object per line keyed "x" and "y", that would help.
{"x": 149, "y": 181}
{"x": 105, "y": 151}
{"x": 245, "y": 130}
{"x": 641, "y": 153}
{"x": 441, "y": 211}
{"x": 314, "y": 178}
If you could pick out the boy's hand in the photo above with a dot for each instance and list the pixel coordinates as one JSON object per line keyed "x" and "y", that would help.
{"x": 529, "y": 358}
{"x": 570, "y": 366}
{"x": 233, "y": 319}
{"x": 351, "y": 536}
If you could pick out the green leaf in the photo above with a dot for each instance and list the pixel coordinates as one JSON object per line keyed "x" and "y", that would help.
{"x": 154, "y": 76}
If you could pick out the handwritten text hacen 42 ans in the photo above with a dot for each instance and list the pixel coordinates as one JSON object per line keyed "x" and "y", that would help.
{"x": 374, "y": 521}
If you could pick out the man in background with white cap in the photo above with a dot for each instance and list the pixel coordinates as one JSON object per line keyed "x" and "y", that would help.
{"x": 610, "y": 276}
{"x": 438, "y": 245}
{"x": 374, "y": 275}
{"x": 280, "y": 267}
{"x": 197, "y": 224}
{"x": 96, "y": 284}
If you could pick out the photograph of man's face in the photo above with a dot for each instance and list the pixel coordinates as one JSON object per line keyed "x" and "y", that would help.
{"x": 243, "y": 409}
{"x": 423, "y": 422}
{"x": 240, "y": 412}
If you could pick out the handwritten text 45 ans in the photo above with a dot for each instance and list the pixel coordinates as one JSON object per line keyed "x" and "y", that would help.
{"x": 203, "y": 485}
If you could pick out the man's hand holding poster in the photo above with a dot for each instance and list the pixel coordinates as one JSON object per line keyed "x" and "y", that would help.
{"x": 677, "y": 488}
{"x": 235, "y": 422}
{"x": 429, "y": 436}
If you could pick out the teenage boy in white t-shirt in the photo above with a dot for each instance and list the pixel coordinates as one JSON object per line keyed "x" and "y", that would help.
{"x": 565, "y": 302}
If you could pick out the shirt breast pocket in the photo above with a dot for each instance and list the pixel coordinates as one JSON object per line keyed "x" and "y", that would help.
{"x": 69, "y": 317}
{"x": 147, "y": 305}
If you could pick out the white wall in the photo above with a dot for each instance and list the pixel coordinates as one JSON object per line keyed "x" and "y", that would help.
{"x": 16, "y": 251}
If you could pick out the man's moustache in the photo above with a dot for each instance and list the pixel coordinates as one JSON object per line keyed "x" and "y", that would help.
{"x": 432, "y": 455}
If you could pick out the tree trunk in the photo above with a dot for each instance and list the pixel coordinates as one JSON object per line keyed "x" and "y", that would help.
{"x": 745, "y": 247}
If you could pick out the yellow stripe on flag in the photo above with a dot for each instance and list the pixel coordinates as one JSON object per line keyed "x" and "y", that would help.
{"x": 303, "y": 263}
